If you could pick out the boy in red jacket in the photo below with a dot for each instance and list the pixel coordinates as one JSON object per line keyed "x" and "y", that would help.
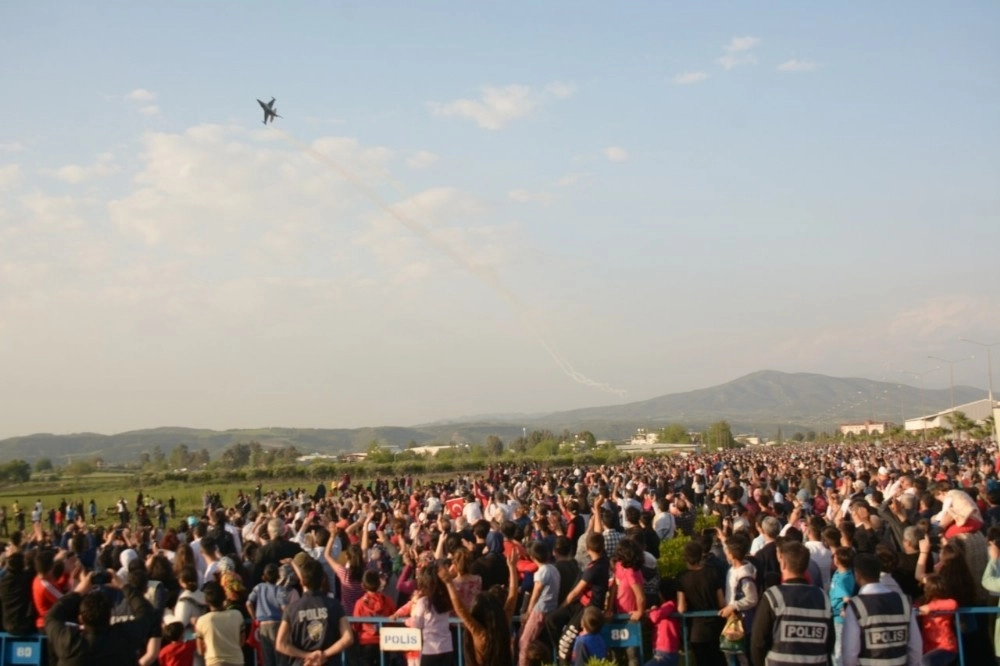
{"x": 372, "y": 604}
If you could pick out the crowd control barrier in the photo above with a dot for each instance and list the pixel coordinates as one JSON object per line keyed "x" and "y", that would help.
{"x": 618, "y": 632}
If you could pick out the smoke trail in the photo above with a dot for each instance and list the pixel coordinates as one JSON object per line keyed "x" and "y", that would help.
{"x": 484, "y": 273}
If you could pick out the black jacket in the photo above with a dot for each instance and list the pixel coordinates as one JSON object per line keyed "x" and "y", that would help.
{"x": 17, "y": 612}
{"x": 73, "y": 645}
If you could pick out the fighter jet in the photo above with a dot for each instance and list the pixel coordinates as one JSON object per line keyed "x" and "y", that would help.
{"x": 270, "y": 113}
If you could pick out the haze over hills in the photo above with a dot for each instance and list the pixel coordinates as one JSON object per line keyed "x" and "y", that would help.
{"x": 760, "y": 402}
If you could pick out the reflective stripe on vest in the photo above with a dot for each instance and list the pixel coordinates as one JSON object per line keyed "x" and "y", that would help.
{"x": 801, "y": 625}
{"x": 884, "y": 624}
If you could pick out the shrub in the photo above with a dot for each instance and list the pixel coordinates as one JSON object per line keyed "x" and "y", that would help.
{"x": 703, "y": 522}
{"x": 671, "y": 560}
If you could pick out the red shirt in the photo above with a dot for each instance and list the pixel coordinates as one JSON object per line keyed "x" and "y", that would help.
{"x": 668, "y": 629}
{"x": 44, "y": 594}
{"x": 179, "y": 653}
{"x": 938, "y": 631}
{"x": 372, "y": 604}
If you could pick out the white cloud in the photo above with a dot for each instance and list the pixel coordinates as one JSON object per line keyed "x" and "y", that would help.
{"x": 616, "y": 153}
{"x": 212, "y": 185}
{"x": 497, "y": 106}
{"x": 572, "y": 178}
{"x": 494, "y": 109}
{"x": 422, "y": 159}
{"x": 795, "y": 65}
{"x": 562, "y": 90}
{"x": 150, "y": 110}
{"x": 75, "y": 173}
{"x": 10, "y": 176}
{"x": 527, "y": 196}
{"x": 739, "y": 52}
{"x": 687, "y": 78}
{"x": 11, "y": 147}
{"x": 61, "y": 212}
{"x": 141, "y": 95}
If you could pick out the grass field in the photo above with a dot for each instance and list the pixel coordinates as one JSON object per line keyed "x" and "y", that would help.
{"x": 106, "y": 487}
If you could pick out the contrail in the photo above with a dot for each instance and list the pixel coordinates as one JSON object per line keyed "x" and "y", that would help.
{"x": 484, "y": 273}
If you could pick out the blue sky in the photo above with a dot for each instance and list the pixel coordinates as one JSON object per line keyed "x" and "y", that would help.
{"x": 609, "y": 204}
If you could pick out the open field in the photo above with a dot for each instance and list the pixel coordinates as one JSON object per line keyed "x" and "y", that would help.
{"x": 105, "y": 489}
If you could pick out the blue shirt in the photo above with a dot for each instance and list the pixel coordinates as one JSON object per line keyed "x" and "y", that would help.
{"x": 841, "y": 585}
{"x": 587, "y": 647}
{"x": 267, "y": 599}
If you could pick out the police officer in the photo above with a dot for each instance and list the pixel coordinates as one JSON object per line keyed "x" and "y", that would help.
{"x": 879, "y": 627}
{"x": 793, "y": 625}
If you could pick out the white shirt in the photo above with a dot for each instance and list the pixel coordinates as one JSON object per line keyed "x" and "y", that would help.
{"x": 497, "y": 511}
{"x": 664, "y": 525}
{"x": 472, "y": 512}
{"x": 199, "y": 560}
{"x": 823, "y": 558}
{"x": 850, "y": 641}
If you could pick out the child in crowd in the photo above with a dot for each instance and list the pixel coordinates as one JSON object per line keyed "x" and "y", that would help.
{"x": 629, "y": 595}
{"x": 371, "y": 604}
{"x": 666, "y": 628}
{"x": 544, "y": 594}
{"x": 175, "y": 651}
{"x": 741, "y": 590}
{"x": 590, "y": 644}
{"x": 938, "y": 631}
{"x": 265, "y": 605}
{"x": 842, "y": 588}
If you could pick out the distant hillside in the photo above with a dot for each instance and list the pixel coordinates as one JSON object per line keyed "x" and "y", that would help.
{"x": 129, "y": 446}
{"x": 759, "y": 402}
{"x": 762, "y": 401}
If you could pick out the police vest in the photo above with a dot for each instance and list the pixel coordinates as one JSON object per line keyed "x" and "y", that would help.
{"x": 884, "y": 621}
{"x": 802, "y": 622}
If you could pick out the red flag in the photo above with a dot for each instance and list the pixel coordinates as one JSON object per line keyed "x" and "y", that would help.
{"x": 454, "y": 507}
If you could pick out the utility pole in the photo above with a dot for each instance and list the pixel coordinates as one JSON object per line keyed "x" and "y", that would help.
{"x": 989, "y": 371}
{"x": 951, "y": 373}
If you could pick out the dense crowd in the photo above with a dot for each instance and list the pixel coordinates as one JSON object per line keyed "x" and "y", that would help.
{"x": 840, "y": 555}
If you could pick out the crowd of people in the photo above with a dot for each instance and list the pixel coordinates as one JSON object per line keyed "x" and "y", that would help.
{"x": 820, "y": 554}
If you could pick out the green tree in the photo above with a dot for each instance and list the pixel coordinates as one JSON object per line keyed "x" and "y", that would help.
{"x": 719, "y": 436}
{"x": 674, "y": 434}
{"x": 586, "y": 439}
{"x": 811, "y": 436}
{"x": 494, "y": 446}
{"x": 236, "y": 456}
{"x": 16, "y": 471}
{"x": 377, "y": 453}
{"x": 799, "y": 437}
{"x": 959, "y": 422}
{"x": 159, "y": 458}
{"x": 79, "y": 468}
{"x": 180, "y": 457}
{"x": 779, "y": 438}
{"x": 43, "y": 465}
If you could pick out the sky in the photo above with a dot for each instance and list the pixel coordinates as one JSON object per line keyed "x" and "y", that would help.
{"x": 473, "y": 208}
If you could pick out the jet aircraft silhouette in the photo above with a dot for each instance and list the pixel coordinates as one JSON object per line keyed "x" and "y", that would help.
{"x": 270, "y": 113}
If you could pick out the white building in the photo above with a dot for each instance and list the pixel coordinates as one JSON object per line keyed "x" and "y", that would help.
{"x": 643, "y": 437}
{"x": 977, "y": 411}
{"x": 864, "y": 428}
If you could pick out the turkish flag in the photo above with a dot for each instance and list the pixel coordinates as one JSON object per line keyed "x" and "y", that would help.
{"x": 454, "y": 507}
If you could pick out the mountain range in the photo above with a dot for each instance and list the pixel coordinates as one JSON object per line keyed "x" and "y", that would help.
{"x": 761, "y": 403}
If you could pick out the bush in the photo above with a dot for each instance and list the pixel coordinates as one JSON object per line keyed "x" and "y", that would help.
{"x": 671, "y": 561}
{"x": 703, "y": 522}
